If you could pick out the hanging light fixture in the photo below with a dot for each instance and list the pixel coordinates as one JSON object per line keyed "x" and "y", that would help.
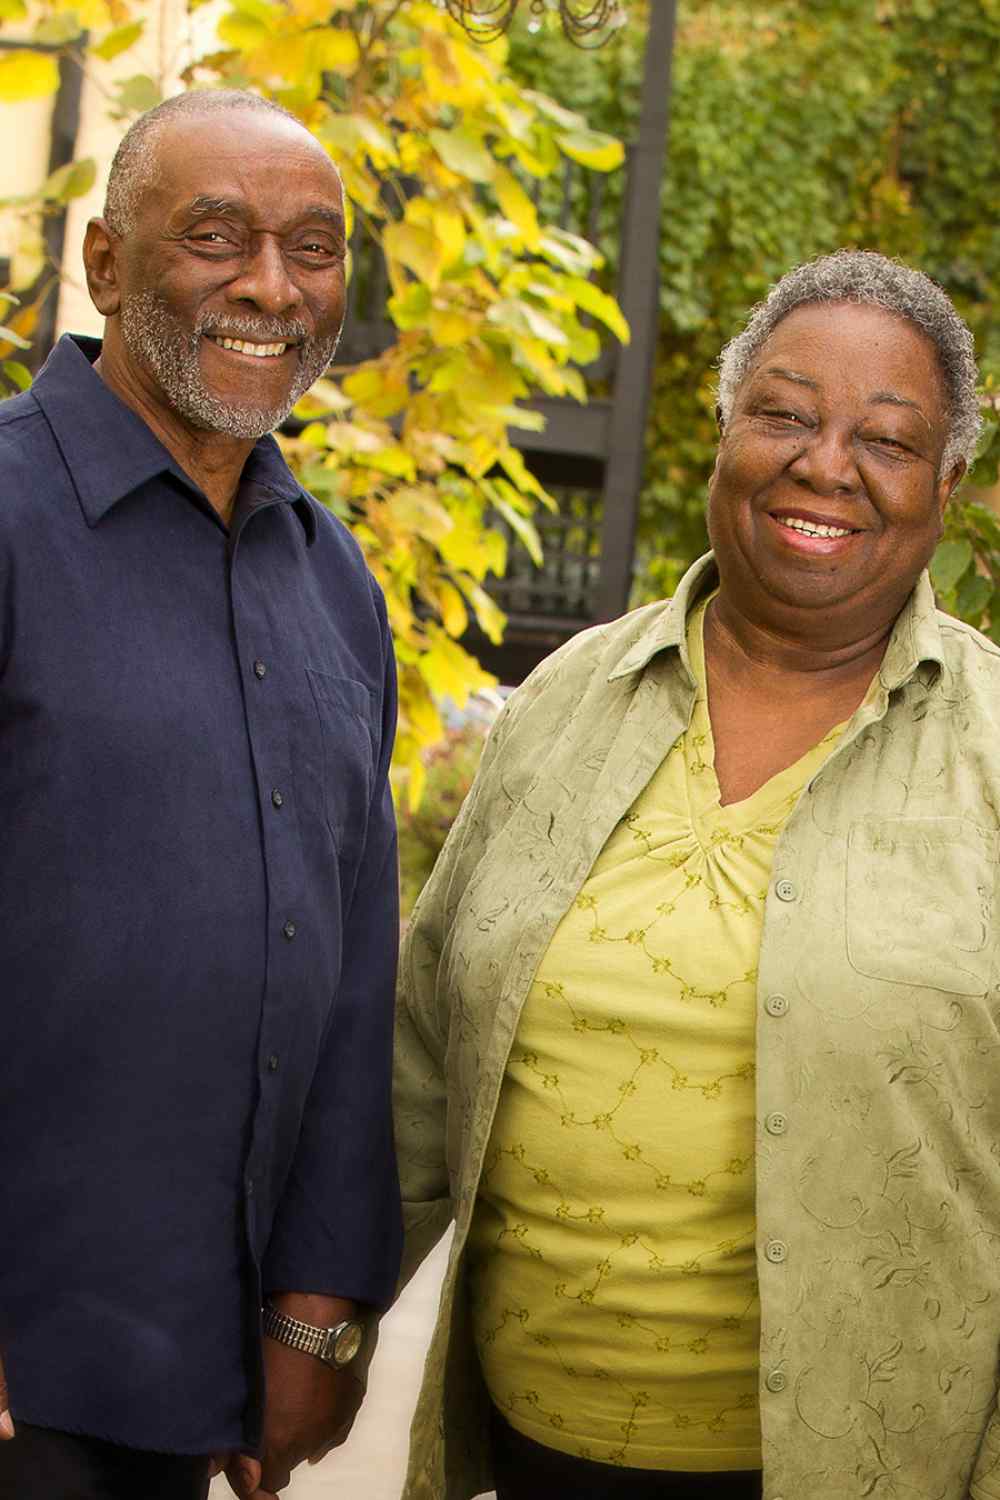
{"x": 587, "y": 23}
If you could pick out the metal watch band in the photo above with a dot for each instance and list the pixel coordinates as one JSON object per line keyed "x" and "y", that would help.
{"x": 296, "y": 1334}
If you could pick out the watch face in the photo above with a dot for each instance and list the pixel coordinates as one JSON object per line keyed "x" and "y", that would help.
{"x": 347, "y": 1343}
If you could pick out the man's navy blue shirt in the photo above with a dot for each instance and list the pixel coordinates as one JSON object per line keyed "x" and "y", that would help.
{"x": 198, "y": 921}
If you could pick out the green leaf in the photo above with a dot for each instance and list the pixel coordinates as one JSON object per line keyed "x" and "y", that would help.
{"x": 568, "y": 119}
{"x": 949, "y": 563}
{"x": 119, "y": 40}
{"x": 56, "y": 30}
{"x": 27, "y": 75}
{"x": 70, "y": 181}
{"x": 972, "y": 597}
{"x": 13, "y": 10}
{"x": 18, "y": 374}
{"x": 463, "y": 152}
{"x": 136, "y": 95}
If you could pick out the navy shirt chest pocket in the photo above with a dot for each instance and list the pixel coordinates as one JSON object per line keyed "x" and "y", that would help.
{"x": 344, "y": 709}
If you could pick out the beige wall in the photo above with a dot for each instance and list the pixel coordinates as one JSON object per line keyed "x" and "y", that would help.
{"x": 163, "y": 51}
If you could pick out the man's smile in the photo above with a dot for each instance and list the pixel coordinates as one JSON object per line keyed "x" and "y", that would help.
{"x": 249, "y": 346}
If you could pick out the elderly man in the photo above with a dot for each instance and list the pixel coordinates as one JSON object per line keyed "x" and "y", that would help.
{"x": 198, "y": 893}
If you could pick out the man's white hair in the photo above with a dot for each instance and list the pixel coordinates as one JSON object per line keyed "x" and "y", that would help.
{"x": 868, "y": 279}
{"x": 135, "y": 164}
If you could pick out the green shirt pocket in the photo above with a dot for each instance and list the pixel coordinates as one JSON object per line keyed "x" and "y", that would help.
{"x": 920, "y": 898}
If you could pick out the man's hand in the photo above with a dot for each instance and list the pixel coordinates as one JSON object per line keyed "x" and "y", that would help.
{"x": 6, "y": 1423}
{"x": 310, "y": 1407}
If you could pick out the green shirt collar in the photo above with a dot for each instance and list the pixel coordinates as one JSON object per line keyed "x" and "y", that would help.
{"x": 915, "y": 639}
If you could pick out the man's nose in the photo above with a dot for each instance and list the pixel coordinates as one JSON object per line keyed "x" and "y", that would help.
{"x": 827, "y": 462}
{"x": 264, "y": 280}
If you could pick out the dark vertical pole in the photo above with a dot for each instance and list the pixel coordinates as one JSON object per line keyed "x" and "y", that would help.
{"x": 65, "y": 127}
{"x": 639, "y": 297}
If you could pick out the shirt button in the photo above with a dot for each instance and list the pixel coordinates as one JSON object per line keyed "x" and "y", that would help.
{"x": 785, "y": 890}
{"x": 775, "y": 1380}
{"x": 289, "y": 930}
{"x": 249, "y": 1187}
{"x": 272, "y": 1063}
{"x": 776, "y": 1123}
{"x": 259, "y": 669}
{"x": 776, "y": 1251}
{"x": 277, "y": 799}
{"x": 776, "y": 1005}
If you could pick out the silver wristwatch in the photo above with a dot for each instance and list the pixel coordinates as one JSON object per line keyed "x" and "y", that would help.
{"x": 336, "y": 1346}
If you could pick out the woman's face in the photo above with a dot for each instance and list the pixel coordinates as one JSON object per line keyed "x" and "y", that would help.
{"x": 827, "y": 493}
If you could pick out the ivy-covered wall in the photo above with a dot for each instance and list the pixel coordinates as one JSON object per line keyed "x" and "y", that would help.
{"x": 797, "y": 128}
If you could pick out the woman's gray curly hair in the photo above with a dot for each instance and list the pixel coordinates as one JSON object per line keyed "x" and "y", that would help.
{"x": 863, "y": 276}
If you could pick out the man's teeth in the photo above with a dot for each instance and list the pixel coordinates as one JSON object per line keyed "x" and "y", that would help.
{"x": 262, "y": 351}
{"x": 811, "y": 528}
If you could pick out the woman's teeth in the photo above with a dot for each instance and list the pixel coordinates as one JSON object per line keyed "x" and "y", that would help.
{"x": 261, "y": 351}
{"x": 811, "y": 528}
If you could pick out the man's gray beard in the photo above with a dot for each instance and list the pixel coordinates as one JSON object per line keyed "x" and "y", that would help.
{"x": 156, "y": 338}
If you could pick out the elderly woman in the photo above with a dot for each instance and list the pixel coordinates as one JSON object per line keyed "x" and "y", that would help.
{"x": 700, "y": 1015}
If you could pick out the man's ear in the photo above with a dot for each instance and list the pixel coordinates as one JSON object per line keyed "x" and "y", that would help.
{"x": 101, "y": 251}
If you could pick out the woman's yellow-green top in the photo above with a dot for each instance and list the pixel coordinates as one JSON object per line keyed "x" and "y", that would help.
{"x": 878, "y": 1040}
{"x": 612, "y": 1260}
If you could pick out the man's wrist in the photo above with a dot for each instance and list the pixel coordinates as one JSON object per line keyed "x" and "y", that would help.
{"x": 326, "y": 1312}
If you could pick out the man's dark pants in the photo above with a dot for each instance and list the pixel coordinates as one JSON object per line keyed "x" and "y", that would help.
{"x": 42, "y": 1464}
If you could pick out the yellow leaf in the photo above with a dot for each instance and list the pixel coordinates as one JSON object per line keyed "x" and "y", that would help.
{"x": 599, "y": 305}
{"x": 417, "y": 509}
{"x": 517, "y": 206}
{"x": 449, "y": 671}
{"x": 592, "y": 148}
{"x": 454, "y": 615}
{"x": 448, "y": 328}
{"x": 335, "y": 50}
{"x": 463, "y": 152}
{"x": 119, "y": 40}
{"x": 363, "y": 384}
{"x": 449, "y": 227}
{"x": 420, "y": 711}
{"x": 464, "y": 548}
{"x": 27, "y": 75}
{"x": 489, "y": 616}
{"x": 245, "y": 33}
{"x": 416, "y": 248}
{"x": 416, "y": 782}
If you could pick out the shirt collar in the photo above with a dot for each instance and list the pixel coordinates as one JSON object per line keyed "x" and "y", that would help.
{"x": 915, "y": 638}
{"x": 110, "y": 451}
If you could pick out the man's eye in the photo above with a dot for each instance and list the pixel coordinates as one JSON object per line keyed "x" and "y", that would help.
{"x": 316, "y": 247}
{"x": 783, "y": 416}
{"x": 209, "y": 237}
